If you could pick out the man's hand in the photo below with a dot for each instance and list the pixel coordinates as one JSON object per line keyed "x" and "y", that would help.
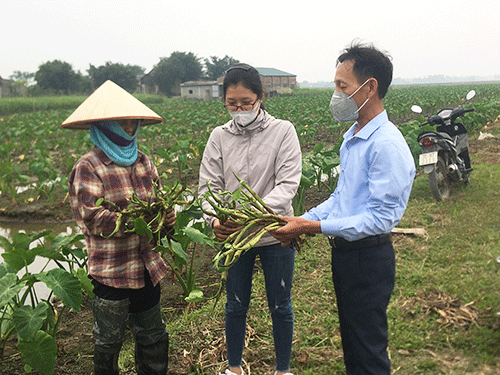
{"x": 295, "y": 226}
{"x": 222, "y": 231}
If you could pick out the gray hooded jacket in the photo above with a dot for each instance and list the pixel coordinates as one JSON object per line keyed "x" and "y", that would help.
{"x": 266, "y": 154}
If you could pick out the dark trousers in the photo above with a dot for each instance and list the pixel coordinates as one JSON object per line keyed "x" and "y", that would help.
{"x": 141, "y": 299}
{"x": 363, "y": 281}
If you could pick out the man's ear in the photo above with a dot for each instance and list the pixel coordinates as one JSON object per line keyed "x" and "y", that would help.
{"x": 373, "y": 87}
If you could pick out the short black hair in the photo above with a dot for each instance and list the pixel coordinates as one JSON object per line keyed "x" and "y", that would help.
{"x": 245, "y": 75}
{"x": 369, "y": 62}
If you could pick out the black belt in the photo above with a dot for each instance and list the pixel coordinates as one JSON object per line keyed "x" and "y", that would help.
{"x": 371, "y": 241}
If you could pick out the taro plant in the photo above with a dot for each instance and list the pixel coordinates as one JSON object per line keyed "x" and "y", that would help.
{"x": 22, "y": 311}
{"x": 180, "y": 153}
{"x": 306, "y": 182}
{"x": 42, "y": 168}
{"x": 147, "y": 218}
{"x": 180, "y": 250}
{"x": 324, "y": 161}
{"x": 250, "y": 213}
{"x": 8, "y": 182}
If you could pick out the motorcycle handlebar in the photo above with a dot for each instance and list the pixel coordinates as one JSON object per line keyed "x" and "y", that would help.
{"x": 462, "y": 112}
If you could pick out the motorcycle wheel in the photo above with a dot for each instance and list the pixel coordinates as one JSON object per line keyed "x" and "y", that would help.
{"x": 439, "y": 181}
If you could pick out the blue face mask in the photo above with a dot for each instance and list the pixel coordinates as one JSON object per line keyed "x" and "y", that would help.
{"x": 110, "y": 137}
{"x": 344, "y": 107}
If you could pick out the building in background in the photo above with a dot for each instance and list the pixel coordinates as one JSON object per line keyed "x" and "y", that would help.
{"x": 201, "y": 90}
{"x": 275, "y": 82}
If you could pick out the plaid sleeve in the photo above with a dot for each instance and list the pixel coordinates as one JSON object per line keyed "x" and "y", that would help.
{"x": 86, "y": 188}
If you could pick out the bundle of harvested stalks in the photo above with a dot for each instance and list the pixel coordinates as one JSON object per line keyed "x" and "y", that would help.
{"x": 147, "y": 218}
{"x": 248, "y": 211}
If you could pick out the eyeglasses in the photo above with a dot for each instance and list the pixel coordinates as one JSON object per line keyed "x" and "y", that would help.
{"x": 244, "y": 107}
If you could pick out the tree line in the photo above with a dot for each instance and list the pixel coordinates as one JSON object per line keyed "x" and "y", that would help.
{"x": 58, "y": 77}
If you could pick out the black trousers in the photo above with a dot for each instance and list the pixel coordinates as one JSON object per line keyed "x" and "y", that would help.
{"x": 363, "y": 281}
{"x": 141, "y": 299}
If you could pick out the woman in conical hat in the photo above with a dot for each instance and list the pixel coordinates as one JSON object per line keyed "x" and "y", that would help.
{"x": 124, "y": 269}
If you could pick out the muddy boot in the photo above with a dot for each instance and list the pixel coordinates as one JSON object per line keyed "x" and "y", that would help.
{"x": 105, "y": 362}
{"x": 151, "y": 342}
{"x": 109, "y": 332}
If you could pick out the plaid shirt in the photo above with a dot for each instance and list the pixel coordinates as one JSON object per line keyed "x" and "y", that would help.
{"x": 118, "y": 261}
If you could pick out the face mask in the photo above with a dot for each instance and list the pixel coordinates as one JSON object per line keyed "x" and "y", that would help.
{"x": 344, "y": 107}
{"x": 244, "y": 118}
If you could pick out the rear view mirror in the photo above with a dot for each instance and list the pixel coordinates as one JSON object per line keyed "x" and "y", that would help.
{"x": 416, "y": 109}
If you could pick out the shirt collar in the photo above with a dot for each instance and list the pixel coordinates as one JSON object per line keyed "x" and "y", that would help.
{"x": 369, "y": 128}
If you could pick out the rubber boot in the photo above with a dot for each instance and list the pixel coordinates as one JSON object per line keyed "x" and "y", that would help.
{"x": 105, "y": 362}
{"x": 109, "y": 332}
{"x": 151, "y": 342}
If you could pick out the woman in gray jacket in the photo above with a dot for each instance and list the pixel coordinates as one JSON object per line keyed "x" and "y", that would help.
{"x": 265, "y": 152}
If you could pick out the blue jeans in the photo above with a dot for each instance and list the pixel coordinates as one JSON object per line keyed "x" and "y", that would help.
{"x": 277, "y": 264}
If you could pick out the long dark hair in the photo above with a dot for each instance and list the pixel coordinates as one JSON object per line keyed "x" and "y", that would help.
{"x": 245, "y": 75}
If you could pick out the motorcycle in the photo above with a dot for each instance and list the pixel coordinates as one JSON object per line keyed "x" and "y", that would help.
{"x": 445, "y": 152}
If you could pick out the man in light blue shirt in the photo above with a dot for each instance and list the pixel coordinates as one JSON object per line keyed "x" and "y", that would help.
{"x": 377, "y": 172}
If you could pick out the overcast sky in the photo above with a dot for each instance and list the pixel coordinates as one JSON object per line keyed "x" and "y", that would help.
{"x": 426, "y": 37}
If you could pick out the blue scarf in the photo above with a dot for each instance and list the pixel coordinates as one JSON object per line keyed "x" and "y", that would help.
{"x": 110, "y": 137}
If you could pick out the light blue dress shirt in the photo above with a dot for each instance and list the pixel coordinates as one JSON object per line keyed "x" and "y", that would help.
{"x": 377, "y": 172}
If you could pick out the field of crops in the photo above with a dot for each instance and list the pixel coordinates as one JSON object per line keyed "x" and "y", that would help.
{"x": 36, "y": 153}
{"x": 36, "y": 157}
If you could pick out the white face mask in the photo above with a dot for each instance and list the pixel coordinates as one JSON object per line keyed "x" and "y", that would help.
{"x": 244, "y": 118}
{"x": 344, "y": 107}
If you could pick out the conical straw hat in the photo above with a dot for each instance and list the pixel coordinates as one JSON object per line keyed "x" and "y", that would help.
{"x": 110, "y": 102}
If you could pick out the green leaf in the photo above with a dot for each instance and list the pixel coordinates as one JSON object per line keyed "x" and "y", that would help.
{"x": 318, "y": 147}
{"x": 236, "y": 195}
{"x": 64, "y": 285}
{"x": 77, "y": 252}
{"x": 18, "y": 258}
{"x": 142, "y": 228}
{"x": 196, "y": 236}
{"x": 28, "y": 320}
{"x": 47, "y": 253}
{"x": 99, "y": 202}
{"x": 5, "y": 269}
{"x": 196, "y": 295}
{"x": 9, "y": 288}
{"x": 18, "y": 254}
{"x": 40, "y": 353}
{"x": 87, "y": 285}
{"x": 180, "y": 254}
{"x": 62, "y": 241}
{"x": 23, "y": 240}
{"x": 7, "y": 246}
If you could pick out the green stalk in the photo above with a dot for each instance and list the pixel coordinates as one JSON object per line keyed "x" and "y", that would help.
{"x": 257, "y": 198}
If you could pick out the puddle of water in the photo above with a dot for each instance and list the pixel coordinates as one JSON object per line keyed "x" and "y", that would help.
{"x": 9, "y": 230}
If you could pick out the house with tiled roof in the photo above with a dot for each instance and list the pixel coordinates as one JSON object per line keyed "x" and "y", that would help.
{"x": 276, "y": 81}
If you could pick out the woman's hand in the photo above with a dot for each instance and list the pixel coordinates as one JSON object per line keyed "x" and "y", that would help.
{"x": 222, "y": 231}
